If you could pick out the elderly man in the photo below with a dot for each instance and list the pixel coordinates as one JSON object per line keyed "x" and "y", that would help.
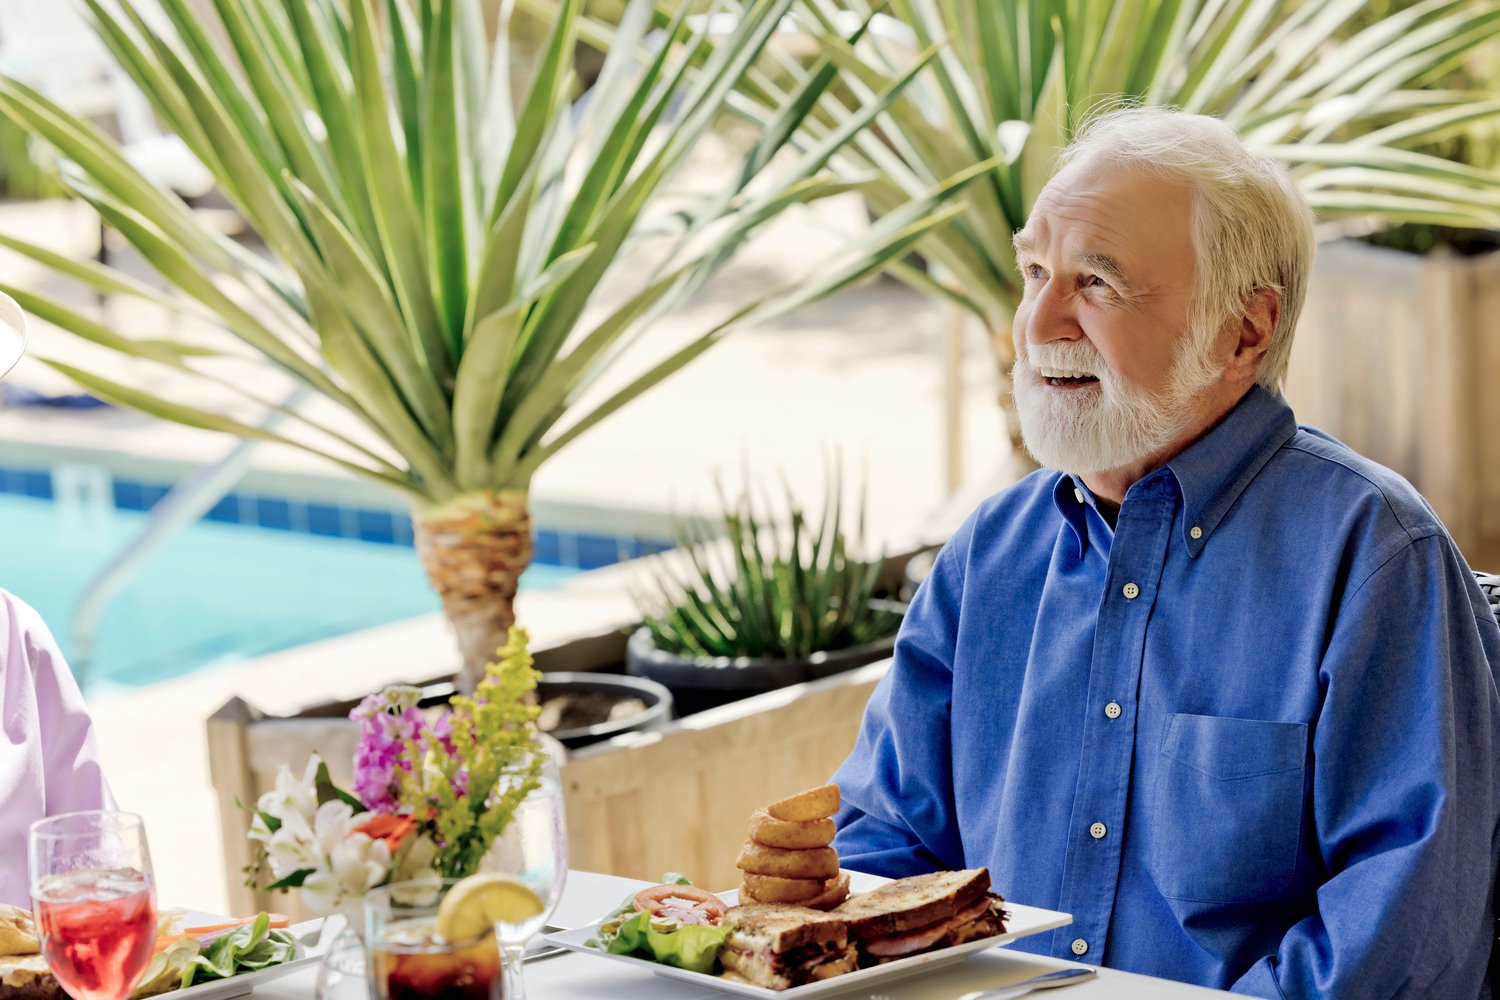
{"x": 1221, "y": 688}
{"x": 49, "y": 762}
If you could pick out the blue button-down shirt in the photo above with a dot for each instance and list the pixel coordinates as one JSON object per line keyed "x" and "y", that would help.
{"x": 1248, "y": 736}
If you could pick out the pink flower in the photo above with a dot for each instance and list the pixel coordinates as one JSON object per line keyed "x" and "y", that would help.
{"x": 387, "y": 721}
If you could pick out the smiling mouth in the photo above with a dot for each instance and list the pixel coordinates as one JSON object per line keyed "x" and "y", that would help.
{"x": 1065, "y": 379}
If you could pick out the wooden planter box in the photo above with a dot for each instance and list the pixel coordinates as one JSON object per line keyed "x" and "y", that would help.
{"x": 1393, "y": 357}
{"x": 639, "y": 805}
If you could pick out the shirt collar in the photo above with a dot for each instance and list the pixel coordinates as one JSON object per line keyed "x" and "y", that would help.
{"x": 1073, "y": 500}
{"x": 1214, "y": 470}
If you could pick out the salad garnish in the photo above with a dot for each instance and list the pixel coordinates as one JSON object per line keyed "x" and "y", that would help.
{"x": 673, "y": 923}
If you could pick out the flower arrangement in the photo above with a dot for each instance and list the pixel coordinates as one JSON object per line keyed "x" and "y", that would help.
{"x": 431, "y": 791}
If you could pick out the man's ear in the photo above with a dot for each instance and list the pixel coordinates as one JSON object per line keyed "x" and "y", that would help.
{"x": 1255, "y": 327}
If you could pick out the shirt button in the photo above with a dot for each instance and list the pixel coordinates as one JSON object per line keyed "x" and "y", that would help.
{"x": 1195, "y": 532}
{"x": 1097, "y": 831}
{"x": 1079, "y": 494}
{"x": 1112, "y": 710}
{"x": 1132, "y": 591}
{"x": 1080, "y": 946}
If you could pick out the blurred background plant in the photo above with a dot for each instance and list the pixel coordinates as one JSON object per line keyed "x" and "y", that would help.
{"x": 1353, "y": 107}
{"x": 1476, "y": 143}
{"x": 24, "y": 175}
{"x": 433, "y": 251}
{"x": 769, "y": 579}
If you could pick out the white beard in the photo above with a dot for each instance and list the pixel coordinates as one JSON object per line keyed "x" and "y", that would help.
{"x": 1111, "y": 424}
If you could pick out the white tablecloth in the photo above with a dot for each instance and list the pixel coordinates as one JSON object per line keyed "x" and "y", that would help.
{"x": 577, "y": 977}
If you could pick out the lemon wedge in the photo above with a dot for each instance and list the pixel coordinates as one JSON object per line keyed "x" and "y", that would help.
{"x": 475, "y": 905}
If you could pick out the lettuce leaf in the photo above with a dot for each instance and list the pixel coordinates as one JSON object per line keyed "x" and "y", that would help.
{"x": 692, "y": 947}
{"x": 248, "y": 948}
{"x": 164, "y": 973}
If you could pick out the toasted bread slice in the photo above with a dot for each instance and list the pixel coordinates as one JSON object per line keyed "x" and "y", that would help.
{"x": 17, "y": 932}
{"x": 909, "y": 903}
{"x": 27, "y": 977}
{"x": 778, "y": 927}
{"x": 817, "y": 863}
{"x": 815, "y": 803}
{"x": 793, "y": 835}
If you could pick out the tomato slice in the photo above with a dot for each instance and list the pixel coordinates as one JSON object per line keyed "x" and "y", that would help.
{"x": 681, "y": 904}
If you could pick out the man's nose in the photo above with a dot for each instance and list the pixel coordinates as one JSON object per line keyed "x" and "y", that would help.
{"x": 1052, "y": 316}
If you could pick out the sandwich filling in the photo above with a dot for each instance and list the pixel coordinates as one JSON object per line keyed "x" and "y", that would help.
{"x": 753, "y": 958}
{"x": 981, "y": 919}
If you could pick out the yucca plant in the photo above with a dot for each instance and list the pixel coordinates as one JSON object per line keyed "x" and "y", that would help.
{"x": 434, "y": 253}
{"x": 767, "y": 580}
{"x": 1014, "y": 79}
{"x": 22, "y": 177}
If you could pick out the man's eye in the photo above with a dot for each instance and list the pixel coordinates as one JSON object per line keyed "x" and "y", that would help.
{"x": 1034, "y": 271}
{"x": 1096, "y": 282}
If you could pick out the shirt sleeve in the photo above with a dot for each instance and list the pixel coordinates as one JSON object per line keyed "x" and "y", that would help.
{"x": 74, "y": 778}
{"x": 898, "y": 816}
{"x": 1405, "y": 797}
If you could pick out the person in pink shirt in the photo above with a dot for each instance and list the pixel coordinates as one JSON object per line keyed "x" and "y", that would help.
{"x": 49, "y": 759}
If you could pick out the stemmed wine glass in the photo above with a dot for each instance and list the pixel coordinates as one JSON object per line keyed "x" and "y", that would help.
{"x": 533, "y": 849}
{"x": 95, "y": 901}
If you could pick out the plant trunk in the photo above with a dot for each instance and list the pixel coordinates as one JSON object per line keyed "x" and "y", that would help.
{"x": 475, "y": 549}
{"x": 1005, "y": 355}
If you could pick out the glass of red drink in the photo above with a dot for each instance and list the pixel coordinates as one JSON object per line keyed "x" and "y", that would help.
{"x": 95, "y": 901}
{"x": 410, "y": 959}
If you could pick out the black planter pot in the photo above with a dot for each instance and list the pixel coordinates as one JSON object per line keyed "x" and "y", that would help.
{"x": 702, "y": 683}
{"x": 657, "y": 698}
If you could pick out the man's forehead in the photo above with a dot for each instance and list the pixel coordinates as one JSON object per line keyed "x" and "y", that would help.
{"x": 1111, "y": 209}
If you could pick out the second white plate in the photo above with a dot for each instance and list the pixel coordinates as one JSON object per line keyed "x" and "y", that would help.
{"x": 1022, "y": 921}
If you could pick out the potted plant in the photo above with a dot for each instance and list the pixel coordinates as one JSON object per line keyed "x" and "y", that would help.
{"x": 433, "y": 256}
{"x": 761, "y": 600}
{"x": 1344, "y": 109}
{"x": 1417, "y": 300}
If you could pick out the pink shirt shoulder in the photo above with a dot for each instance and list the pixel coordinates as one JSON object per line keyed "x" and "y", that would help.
{"x": 49, "y": 758}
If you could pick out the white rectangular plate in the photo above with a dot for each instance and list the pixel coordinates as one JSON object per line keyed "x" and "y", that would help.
{"x": 245, "y": 982}
{"x": 1022, "y": 921}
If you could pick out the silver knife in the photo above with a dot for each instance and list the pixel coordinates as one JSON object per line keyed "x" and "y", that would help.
{"x": 1062, "y": 977}
{"x": 539, "y": 948}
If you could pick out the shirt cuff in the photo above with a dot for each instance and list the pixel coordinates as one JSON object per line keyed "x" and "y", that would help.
{"x": 1260, "y": 981}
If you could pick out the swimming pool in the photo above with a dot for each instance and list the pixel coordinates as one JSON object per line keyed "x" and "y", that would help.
{"x": 217, "y": 593}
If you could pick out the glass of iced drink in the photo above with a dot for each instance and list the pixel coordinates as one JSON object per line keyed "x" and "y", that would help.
{"x": 95, "y": 901}
{"x": 410, "y": 957}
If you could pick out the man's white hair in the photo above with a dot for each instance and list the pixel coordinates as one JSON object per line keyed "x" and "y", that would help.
{"x": 1252, "y": 228}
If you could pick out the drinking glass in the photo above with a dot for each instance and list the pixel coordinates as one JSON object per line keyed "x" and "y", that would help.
{"x": 410, "y": 960}
{"x": 95, "y": 901}
{"x": 343, "y": 973}
{"x": 532, "y": 849}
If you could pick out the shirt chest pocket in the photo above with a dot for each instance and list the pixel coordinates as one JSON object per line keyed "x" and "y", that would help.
{"x": 1226, "y": 808}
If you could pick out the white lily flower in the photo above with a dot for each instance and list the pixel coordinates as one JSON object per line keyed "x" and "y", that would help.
{"x": 333, "y": 825}
{"x": 356, "y": 865}
{"x": 418, "y": 860}
{"x": 291, "y": 797}
{"x": 293, "y": 847}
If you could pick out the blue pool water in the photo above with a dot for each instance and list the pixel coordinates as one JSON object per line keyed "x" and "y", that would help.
{"x": 217, "y": 593}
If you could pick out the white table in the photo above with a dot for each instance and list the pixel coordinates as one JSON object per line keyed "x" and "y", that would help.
{"x": 577, "y": 977}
